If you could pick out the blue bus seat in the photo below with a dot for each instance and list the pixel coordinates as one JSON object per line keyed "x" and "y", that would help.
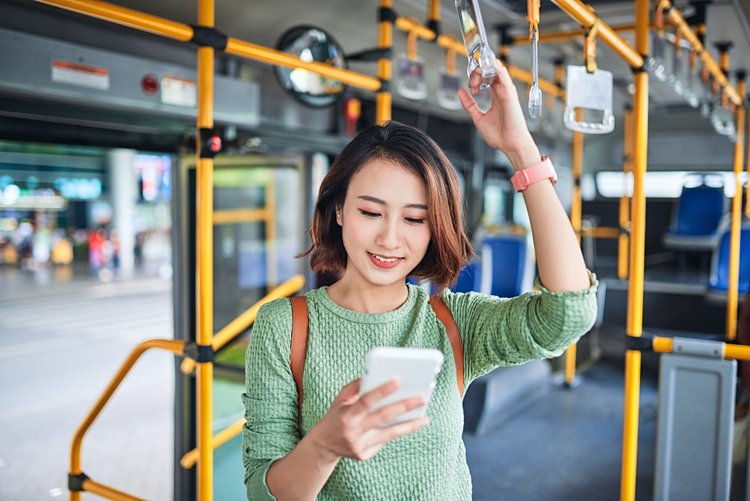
{"x": 503, "y": 265}
{"x": 696, "y": 220}
{"x": 470, "y": 278}
{"x": 718, "y": 283}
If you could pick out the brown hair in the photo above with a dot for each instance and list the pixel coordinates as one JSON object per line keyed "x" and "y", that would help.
{"x": 449, "y": 248}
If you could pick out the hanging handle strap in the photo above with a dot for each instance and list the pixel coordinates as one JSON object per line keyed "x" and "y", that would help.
{"x": 446, "y": 317}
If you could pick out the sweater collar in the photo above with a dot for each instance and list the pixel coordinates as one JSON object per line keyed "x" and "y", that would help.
{"x": 321, "y": 295}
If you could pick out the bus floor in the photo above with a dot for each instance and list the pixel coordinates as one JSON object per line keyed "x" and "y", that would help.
{"x": 568, "y": 445}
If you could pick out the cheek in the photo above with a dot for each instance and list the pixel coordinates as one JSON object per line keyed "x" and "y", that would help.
{"x": 422, "y": 238}
{"x": 353, "y": 234}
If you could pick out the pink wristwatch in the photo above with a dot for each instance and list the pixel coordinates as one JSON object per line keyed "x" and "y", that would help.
{"x": 530, "y": 175}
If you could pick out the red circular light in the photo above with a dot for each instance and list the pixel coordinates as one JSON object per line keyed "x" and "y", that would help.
{"x": 215, "y": 144}
{"x": 150, "y": 85}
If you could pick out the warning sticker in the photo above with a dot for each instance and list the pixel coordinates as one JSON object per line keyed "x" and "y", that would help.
{"x": 178, "y": 91}
{"x": 81, "y": 75}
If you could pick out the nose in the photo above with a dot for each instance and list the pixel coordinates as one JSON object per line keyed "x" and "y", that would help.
{"x": 388, "y": 235}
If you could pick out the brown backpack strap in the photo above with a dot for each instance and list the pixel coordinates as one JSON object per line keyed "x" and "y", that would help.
{"x": 446, "y": 317}
{"x": 299, "y": 346}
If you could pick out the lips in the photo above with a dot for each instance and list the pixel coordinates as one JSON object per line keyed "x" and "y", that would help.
{"x": 384, "y": 261}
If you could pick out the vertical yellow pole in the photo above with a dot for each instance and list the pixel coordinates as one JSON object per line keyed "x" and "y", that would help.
{"x": 637, "y": 248}
{"x": 385, "y": 41}
{"x": 734, "y": 242}
{"x": 434, "y": 12}
{"x": 272, "y": 265}
{"x": 205, "y": 258}
{"x": 575, "y": 220}
{"x": 622, "y": 240}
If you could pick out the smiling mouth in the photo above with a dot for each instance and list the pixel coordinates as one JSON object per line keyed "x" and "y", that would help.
{"x": 386, "y": 260}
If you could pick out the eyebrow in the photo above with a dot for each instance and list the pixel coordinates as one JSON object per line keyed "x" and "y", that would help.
{"x": 382, "y": 202}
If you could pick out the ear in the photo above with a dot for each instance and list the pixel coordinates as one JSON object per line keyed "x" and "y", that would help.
{"x": 339, "y": 215}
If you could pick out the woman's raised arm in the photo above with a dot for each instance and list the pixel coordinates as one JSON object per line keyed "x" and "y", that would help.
{"x": 503, "y": 126}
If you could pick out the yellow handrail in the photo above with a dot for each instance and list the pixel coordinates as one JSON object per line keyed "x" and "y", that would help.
{"x": 624, "y": 215}
{"x": 601, "y": 232}
{"x": 127, "y": 17}
{"x": 108, "y": 492}
{"x": 587, "y": 17}
{"x": 190, "y": 458}
{"x": 184, "y": 33}
{"x": 661, "y": 344}
{"x": 175, "y": 346}
{"x": 734, "y": 240}
{"x": 564, "y": 36}
{"x": 246, "y": 319}
{"x": 571, "y": 352}
{"x": 204, "y": 259}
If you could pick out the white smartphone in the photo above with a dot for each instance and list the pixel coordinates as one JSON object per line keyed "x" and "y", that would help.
{"x": 415, "y": 368}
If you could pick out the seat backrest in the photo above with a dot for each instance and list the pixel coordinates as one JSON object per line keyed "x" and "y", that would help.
{"x": 699, "y": 211}
{"x": 503, "y": 265}
{"x": 469, "y": 280}
{"x": 720, "y": 264}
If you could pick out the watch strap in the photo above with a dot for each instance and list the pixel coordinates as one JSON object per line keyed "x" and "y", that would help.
{"x": 530, "y": 175}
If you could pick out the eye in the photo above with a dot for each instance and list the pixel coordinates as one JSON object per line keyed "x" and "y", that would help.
{"x": 368, "y": 213}
{"x": 414, "y": 220}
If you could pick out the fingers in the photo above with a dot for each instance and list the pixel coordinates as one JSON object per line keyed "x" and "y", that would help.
{"x": 397, "y": 430}
{"x": 392, "y": 411}
{"x": 349, "y": 393}
{"x": 372, "y": 397}
{"x": 470, "y": 105}
{"x": 503, "y": 76}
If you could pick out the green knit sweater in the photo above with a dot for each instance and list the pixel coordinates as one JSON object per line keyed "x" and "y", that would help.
{"x": 429, "y": 464}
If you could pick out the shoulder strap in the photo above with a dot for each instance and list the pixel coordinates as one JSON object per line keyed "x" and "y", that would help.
{"x": 299, "y": 345}
{"x": 446, "y": 317}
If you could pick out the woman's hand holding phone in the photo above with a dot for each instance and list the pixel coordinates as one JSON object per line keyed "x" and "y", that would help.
{"x": 349, "y": 428}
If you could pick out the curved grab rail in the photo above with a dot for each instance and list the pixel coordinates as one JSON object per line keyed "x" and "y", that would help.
{"x": 190, "y": 458}
{"x": 237, "y": 326}
{"x": 76, "y": 474}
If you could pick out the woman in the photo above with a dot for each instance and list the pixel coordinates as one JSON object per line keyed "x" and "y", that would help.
{"x": 390, "y": 207}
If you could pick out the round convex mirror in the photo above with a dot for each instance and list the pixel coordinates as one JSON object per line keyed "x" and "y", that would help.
{"x": 312, "y": 45}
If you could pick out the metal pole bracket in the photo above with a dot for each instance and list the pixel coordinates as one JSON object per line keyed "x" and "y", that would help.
{"x": 698, "y": 348}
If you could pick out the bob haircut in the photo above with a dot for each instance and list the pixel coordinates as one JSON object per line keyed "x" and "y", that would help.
{"x": 449, "y": 248}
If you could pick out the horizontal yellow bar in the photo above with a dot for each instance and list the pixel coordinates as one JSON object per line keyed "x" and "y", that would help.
{"x": 271, "y": 56}
{"x": 410, "y": 25}
{"x": 221, "y": 438}
{"x": 736, "y": 351}
{"x": 242, "y": 322}
{"x": 563, "y": 36}
{"x": 107, "y": 492}
{"x": 733, "y": 351}
{"x": 601, "y": 232}
{"x": 587, "y": 17}
{"x": 451, "y": 43}
{"x": 126, "y": 17}
{"x": 662, "y": 344}
{"x": 240, "y": 216}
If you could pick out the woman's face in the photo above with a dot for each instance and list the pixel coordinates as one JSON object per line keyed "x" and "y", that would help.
{"x": 384, "y": 223}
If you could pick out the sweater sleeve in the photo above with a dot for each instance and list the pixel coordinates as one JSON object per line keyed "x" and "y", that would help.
{"x": 270, "y": 431}
{"x": 510, "y": 331}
